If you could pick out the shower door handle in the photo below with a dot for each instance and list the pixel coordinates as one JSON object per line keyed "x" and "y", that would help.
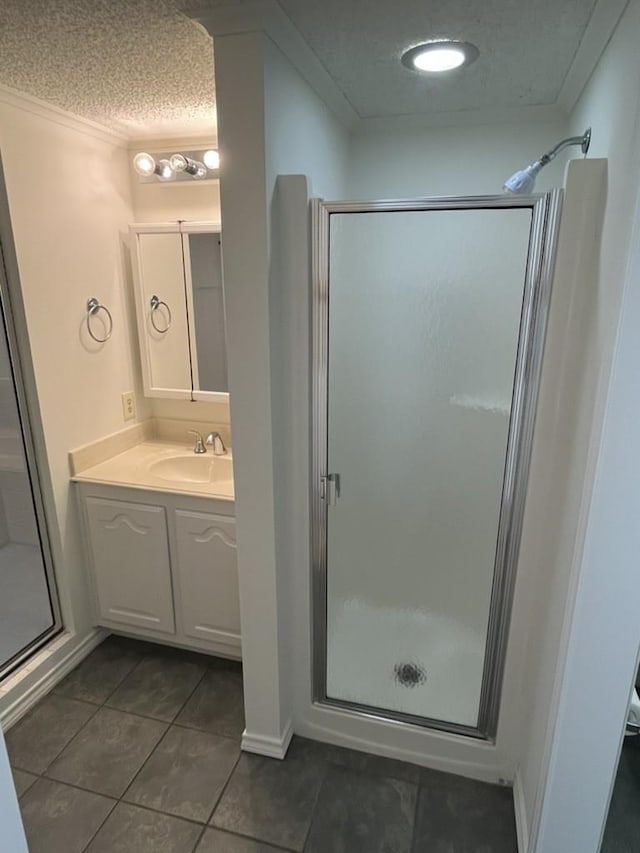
{"x": 330, "y": 489}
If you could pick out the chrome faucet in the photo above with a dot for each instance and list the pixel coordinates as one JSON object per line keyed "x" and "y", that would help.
{"x": 214, "y": 440}
{"x": 199, "y": 446}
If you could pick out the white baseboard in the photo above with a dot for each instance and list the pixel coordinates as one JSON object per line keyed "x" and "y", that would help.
{"x": 522, "y": 824}
{"x": 375, "y": 737}
{"x": 43, "y": 672}
{"x": 274, "y": 747}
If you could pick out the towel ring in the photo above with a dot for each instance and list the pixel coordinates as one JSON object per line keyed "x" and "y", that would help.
{"x": 155, "y": 304}
{"x": 93, "y": 307}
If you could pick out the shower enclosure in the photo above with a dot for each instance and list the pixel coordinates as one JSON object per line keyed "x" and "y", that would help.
{"x": 429, "y": 322}
{"x": 29, "y": 612}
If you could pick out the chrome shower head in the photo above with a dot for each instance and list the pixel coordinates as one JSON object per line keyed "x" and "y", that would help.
{"x": 523, "y": 181}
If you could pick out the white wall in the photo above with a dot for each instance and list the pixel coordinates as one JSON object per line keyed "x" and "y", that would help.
{"x": 269, "y": 122}
{"x": 409, "y": 163}
{"x": 240, "y": 106}
{"x": 301, "y": 137}
{"x": 557, "y": 473}
{"x": 70, "y": 216}
{"x": 166, "y": 202}
{"x": 597, "y": 558}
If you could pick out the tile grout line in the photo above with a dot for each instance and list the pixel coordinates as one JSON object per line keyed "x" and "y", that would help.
{"x": 224, "y": 788}
{"x": 164, "y": 734}
{"x": 271, "y": 844}
{"x": 414, "y": 827}
{"x": 169, "y": 725}
{"x": 143, "y": 765}
{"x": 71, "y": 739}
{"x": 325, "y": 773}
{"x": 110, "y": 694}
{"x": 97, "y": 706}
{"x": 199, "y": 839}
{"x": 102, "y": 823}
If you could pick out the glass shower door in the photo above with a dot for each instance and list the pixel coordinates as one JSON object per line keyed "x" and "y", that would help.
{"x": 424, "y": 318}
{"x": 27, "y": 608}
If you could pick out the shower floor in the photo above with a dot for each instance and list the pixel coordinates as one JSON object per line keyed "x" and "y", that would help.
{"x": 25, "y": 610}
{"x": 404, "y": 660}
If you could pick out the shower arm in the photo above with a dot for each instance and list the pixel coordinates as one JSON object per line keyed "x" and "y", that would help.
{"x": 583, "y": 141}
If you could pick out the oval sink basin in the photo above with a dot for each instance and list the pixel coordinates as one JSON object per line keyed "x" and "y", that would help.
{"x": 192, "y": 469}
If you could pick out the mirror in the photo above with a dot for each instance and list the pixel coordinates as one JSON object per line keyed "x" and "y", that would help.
{"x": 179, "y": 296}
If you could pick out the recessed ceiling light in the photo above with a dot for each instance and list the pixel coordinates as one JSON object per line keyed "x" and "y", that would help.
{"x": 437, "y": 56}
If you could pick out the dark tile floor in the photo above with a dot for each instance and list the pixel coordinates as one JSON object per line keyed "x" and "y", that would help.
{"x": 622, "y": 833}
{"x": 138, "y": 751}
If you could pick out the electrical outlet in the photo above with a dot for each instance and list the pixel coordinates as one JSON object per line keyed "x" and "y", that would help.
{"x": 128, "y": 405}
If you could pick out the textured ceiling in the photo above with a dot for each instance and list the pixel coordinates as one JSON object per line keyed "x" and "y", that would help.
{"x": 142, "y": 68}
{"x": 136, "y": 66}
{"x": 526, "y": 48}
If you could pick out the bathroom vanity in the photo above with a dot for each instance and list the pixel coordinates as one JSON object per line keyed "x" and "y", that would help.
{"x": 159, "y": 531}
{"x": 158, "y": 518}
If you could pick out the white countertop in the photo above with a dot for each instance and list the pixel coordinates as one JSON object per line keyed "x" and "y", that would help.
{"x": 134, "y": 468}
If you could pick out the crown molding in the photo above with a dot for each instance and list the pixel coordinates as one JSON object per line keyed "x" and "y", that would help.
{"x": 179, "y": 137}
{"x": 268, "y": 17}
{"x": 160, "y": 144}
{"x": 42, "y": 109}
{"x": 605, "y": 17}
{"x": 544, "y": 114}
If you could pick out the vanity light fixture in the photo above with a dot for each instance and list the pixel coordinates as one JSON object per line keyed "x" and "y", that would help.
{"x": 182, "y": 163}
{"x": 434, "y": 57}
{"x": 180, "y": 166}
{"x": 146, "y": 165}
{"x": 211, "y": 159}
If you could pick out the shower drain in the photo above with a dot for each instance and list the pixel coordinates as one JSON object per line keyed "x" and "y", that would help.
{"x": 409, "y": 674}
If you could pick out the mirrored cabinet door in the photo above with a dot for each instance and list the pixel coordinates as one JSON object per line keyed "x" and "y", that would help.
{"x": 205, "y": 300}
{"x": 162, "y": 321}
{"x": 180, "y": 306}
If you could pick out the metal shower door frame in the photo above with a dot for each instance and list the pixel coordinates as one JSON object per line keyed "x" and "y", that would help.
{"x": 545, "y": 211}
{"x": 12, "y": 322}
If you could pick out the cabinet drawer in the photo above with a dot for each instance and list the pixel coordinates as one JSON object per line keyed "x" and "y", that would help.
{"x": 208, "y": 576}
{"x": 131, "y": 564}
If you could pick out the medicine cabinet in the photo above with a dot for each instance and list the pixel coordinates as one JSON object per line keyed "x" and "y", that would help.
{"x": 179, "y": 295}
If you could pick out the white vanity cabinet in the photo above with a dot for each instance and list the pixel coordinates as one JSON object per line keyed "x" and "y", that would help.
{"x": 130, "y": 557}
{"x": 163, "y": 565}
{"x": 208, "y": 576}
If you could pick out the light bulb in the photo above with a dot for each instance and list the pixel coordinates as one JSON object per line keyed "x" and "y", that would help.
{"x": 211, "y": 159}
{"x": 439, "y": 59}
{"x": 178, "y": 162}
{"x": 437, "y": 56}
{"x": 200, "y": 172}
{"x": 164, "y": 171}
{"x": 144, "y": 164}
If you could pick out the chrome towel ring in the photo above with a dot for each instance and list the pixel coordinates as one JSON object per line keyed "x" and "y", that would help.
{"x": 156, "y": 303}
{"x": 93, "y": 307}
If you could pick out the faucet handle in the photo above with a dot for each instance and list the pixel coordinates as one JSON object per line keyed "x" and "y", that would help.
{"x": 214, "y": 439}
{"x": 199, "y": 446}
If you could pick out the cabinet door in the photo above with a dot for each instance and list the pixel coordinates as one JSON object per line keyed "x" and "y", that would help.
{"x": 164, "y": 330}
{"x": 208, "y": 576}
{"x": 131, "y": 563}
